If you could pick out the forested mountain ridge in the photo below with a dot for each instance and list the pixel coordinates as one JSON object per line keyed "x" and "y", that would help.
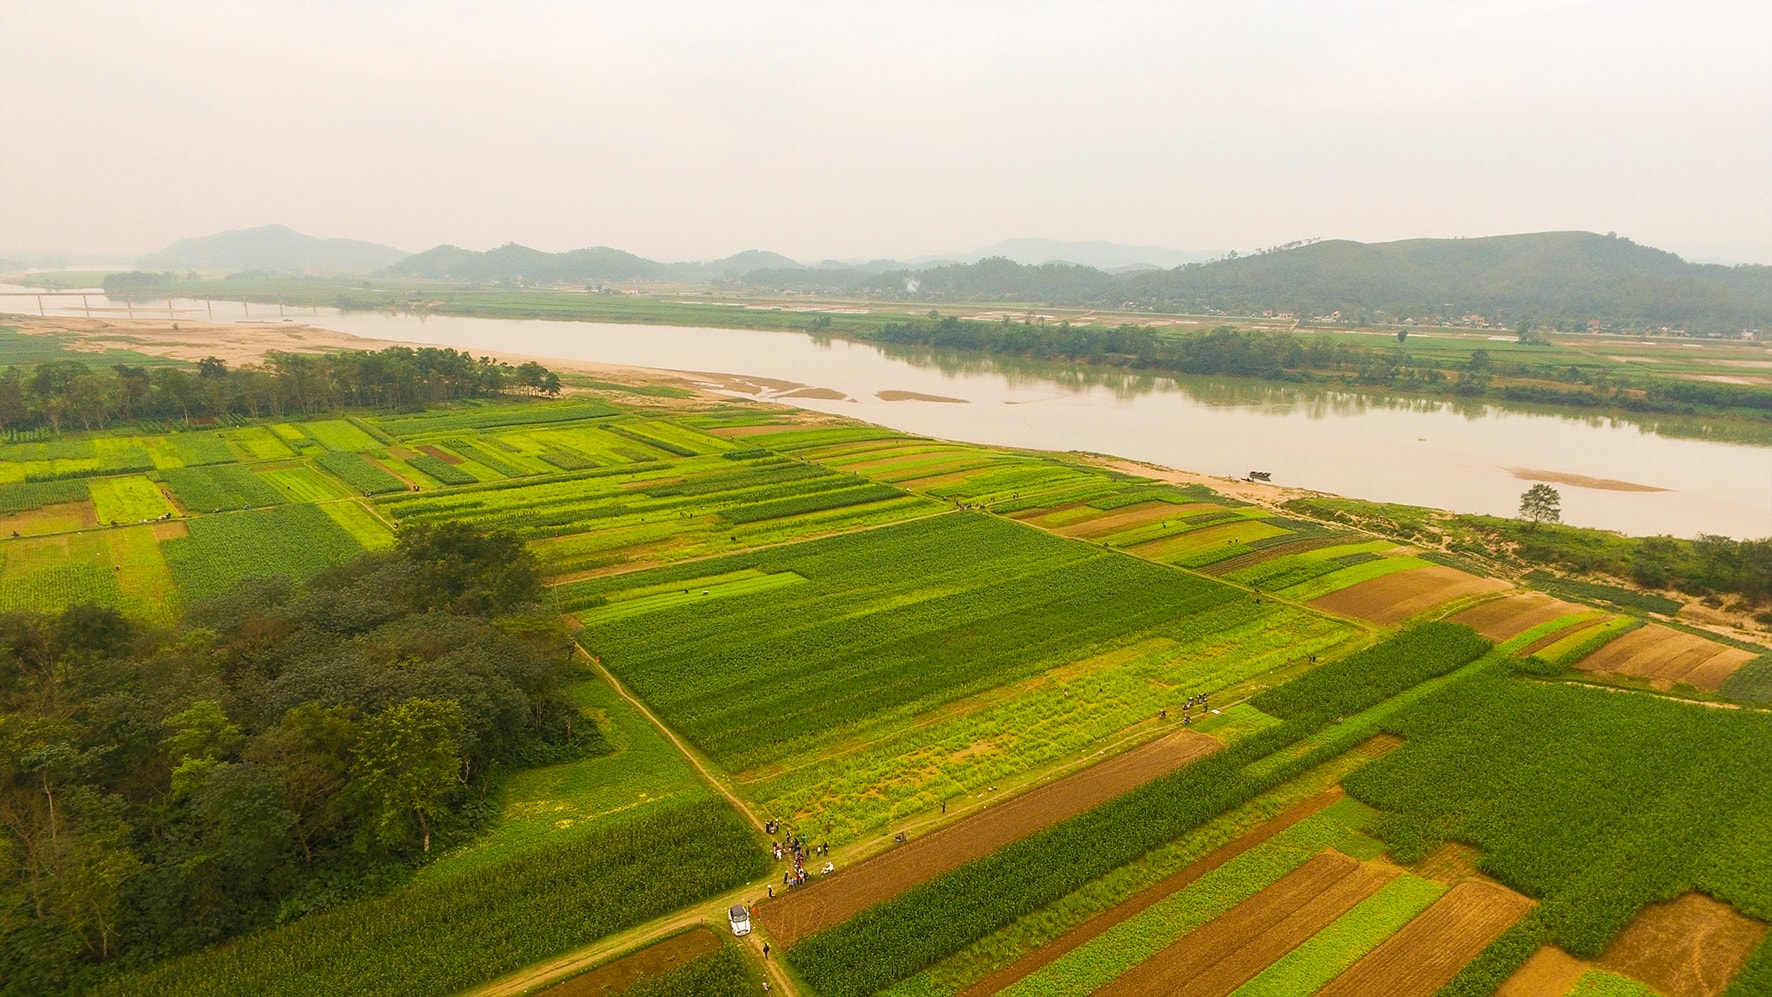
{"x": 1546, "y": 278}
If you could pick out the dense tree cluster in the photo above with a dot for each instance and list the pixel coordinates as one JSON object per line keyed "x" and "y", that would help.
{"x": 70, "y": 393}
{"x": 287, "y": 750}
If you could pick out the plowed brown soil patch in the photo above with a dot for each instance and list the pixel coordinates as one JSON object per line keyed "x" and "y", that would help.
{"x": 1094, "y": 927}
{"x": 1691, "y": 946}
{"x": 1396, "y": 597}
{"x": 1551, "y": 972}
{"x": 1225, "y": 953}
{"x": 1513, "y": 615}
{"x": 1450, "y": 863}
{"x": 841, "y": 896}
{"x": 1259, "y": 949}
{"x": 1665, "y": 656}
{"x": 1418, "y": 960}
{"x": 1255, "y": 557}
{"x": 441, "y": 454}
{"x": 653, "y": 960}
{"x": 1131, "y": 516}
{"x": 172, "y": 529}
{"x": 58, "y": 518}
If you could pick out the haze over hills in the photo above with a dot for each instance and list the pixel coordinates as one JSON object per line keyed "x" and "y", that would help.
{"x": 274, "y": 248}
{"x": 514, "y": 262}
{"x": 1547, "y": 278}
{"x": 1097, "y": 253}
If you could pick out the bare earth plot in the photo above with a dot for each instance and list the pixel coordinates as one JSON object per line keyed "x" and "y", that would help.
{"x": 827, "y": 902}
{"x": 1665, "y": 656}
{"x": 1228, "y": 951}
{"x": 1691, "y": 946}
{"x": 1418, "y": 960}
{"x": 1550, "y": 972}
{"x": 653, "y": 960}
{"x": 1510, "y": 616}
{"x": 1396, "y": 597}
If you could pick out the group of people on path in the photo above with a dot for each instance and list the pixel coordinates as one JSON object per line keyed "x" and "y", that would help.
{"x": 1187, "y": 709}
{"x": 800, "y": 850}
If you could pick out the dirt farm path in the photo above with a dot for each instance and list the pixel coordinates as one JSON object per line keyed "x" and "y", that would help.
{"x": 707, "y": 775}
{"x": 829, "y": 901}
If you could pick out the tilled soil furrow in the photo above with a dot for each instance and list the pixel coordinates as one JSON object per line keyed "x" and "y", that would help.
{"x": 1201, "y": 949}
{"x": 1258, "y": 951}
{"x": 1421, "y": 958}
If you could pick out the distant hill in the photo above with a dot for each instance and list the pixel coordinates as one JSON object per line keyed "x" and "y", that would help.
{"x": 1108, "y": 256}
{"x": 272, "y": 248}
{"x": 514, "y": 262}
{"x": 1546, "y": 278}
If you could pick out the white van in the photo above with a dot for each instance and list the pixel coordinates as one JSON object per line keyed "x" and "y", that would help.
{"x": 740, "y": 916}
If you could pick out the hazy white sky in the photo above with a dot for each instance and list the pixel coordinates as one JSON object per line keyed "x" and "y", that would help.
{"x": 826, "y": 129}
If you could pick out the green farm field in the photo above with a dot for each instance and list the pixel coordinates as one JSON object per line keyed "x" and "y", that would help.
{"x": 853, "y": 630}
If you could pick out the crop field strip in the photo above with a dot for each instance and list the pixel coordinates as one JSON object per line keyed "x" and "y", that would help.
{"x": 1679, "y": 809}
{"x": 1512, "y": 615}
{"x": 1396, "y": 596}
{"x": 1218, "y": 901}
{"x": 994, "y": 737}
{"x": 1044, "y": 955}
{"x": 756, "y": 679}
{"x": 697, "y": 470}
{"x": 1425, "y": 955}
{"x": 909, "y": 933}
{"x": 1667, "y": 656}
{"x": 830, "y": 901}
{"x": 1254, "y": 933}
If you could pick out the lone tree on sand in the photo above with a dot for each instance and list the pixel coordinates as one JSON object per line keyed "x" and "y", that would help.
{"x": 1541, "y": 504}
